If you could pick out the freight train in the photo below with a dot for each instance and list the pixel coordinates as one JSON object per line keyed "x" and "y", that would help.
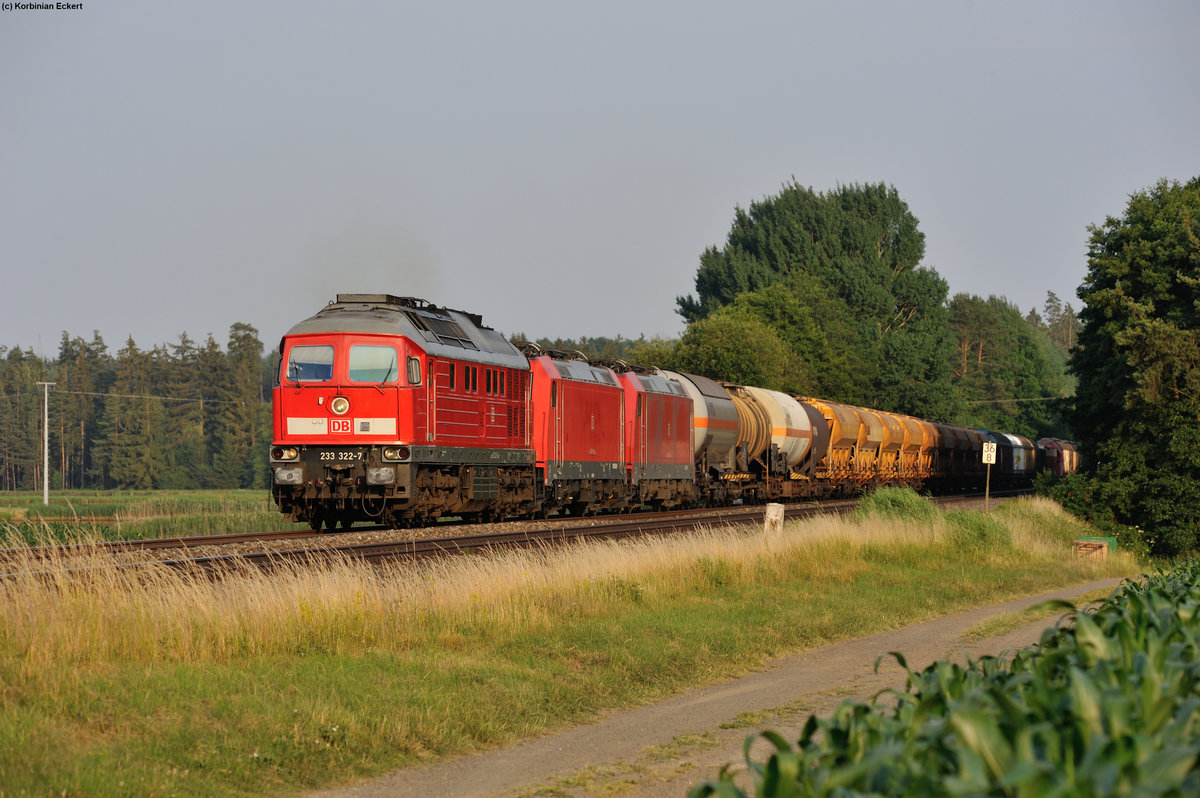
{"x": 395, "y": 411}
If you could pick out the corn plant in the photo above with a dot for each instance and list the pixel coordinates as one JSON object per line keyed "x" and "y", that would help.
{"x": 1108, "y": 703}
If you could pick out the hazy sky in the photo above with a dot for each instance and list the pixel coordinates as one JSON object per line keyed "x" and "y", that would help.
{"x": 555, "y": 166}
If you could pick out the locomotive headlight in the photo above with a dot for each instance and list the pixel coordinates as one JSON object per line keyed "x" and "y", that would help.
{"x": 395, "y": 453}
{"x": 340, "y": 405}
{"x": 284, "y": 453}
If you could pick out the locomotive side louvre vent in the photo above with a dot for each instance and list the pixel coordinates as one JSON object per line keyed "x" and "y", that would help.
{"x": 438, "y": 329}
{"x": 582, "y": 372}
{"x": 495, "y": 341}
{"x": 516, "y": 422}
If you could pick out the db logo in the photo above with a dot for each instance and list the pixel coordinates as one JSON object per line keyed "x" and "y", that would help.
{"x": 343, "y": 425}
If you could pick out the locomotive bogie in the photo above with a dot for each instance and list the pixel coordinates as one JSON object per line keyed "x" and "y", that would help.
{"x": 485, "y": 492}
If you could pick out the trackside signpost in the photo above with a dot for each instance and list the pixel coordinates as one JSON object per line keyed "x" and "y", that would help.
{"x": 989, "y": 459}
{"x": 46, "y": 443}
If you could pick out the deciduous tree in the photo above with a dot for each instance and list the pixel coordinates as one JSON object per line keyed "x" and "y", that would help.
{"x": 873, "y": 326}
{"x": 1137, "y": 408}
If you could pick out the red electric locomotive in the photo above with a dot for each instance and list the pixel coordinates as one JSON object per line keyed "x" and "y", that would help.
{"x": 393, "y": 410}
{"x": 608, "y": 437}
{"x": 660, "y": 460}
{"x": 577, "y": 412}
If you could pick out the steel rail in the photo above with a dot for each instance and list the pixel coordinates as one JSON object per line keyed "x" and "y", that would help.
{"x": 594, "y": 528}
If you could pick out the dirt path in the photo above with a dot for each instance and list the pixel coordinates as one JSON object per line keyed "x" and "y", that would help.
{"x": 664, "y": 749}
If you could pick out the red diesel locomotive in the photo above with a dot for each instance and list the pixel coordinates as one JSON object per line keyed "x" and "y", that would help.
{"x": 395, "y": 411}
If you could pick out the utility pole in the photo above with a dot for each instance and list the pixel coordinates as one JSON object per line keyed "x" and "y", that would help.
{"x": 46, "y": 442}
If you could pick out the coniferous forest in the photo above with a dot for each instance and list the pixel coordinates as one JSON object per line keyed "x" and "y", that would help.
{"x": 180, "y": 415}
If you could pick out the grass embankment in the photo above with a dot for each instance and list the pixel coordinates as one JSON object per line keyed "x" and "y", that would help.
{"x": 86, "y": 515}
{"x": 128, "y": 684}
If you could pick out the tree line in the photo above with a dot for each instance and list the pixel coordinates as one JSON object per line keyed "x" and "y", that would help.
{"x": 184, "y": 415}
{"x": 823, "y": 294}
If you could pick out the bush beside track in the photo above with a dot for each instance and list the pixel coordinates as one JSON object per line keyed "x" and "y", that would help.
{"x": 1108, "y": 703}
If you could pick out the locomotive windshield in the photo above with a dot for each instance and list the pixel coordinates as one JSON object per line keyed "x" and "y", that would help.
{"x": 377, "y": 364}
{"x": 310, "y": 364}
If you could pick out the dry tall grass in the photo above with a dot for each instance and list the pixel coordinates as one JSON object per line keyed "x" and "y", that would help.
{"x": 155, "y": 615}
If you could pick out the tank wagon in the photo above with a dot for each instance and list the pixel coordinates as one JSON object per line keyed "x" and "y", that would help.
{"x": 393, "y": 410}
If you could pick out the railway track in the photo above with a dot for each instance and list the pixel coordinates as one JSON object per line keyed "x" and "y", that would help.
{"x": 217, "y": 554}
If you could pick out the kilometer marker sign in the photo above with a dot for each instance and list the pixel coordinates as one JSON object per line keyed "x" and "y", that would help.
{"x": 989, "y": 459}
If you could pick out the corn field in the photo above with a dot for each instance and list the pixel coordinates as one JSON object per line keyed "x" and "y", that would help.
{"x": 1108, "y": 703}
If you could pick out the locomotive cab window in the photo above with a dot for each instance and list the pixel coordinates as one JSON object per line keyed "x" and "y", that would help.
{"x": 375, "y": 364}
{"x": 310, "y": 364}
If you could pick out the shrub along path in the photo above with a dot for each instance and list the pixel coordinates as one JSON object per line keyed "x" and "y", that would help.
{"x": 664, "y": 749}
